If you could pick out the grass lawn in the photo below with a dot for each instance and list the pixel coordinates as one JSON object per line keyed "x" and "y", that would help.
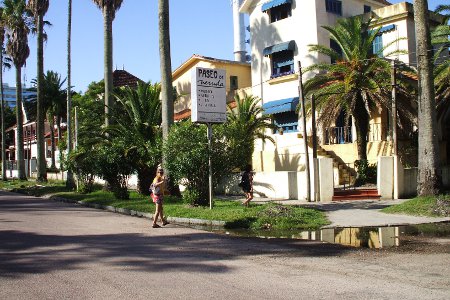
{"x": 423, "y": 206}
{"x": 267, "y": 216}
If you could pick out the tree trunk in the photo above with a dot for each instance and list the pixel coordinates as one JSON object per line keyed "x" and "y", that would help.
{"x": 166, "y": 68}
{"x": 362, "y": 127}
{"x": 429, "y": 181}
{"x": 40, "y": 139}
{"x": 145, "y": 178}
{"x": 108, "y": 57}
{"x": 2, "y": 111}
{"x": 166, "y": 80}
{"x": 52, "y": 139}
{"x": 70, "y": 182}
{"x": 19, "y": 119}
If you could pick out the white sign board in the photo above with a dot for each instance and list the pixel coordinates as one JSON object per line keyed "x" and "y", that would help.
{"x": 208, "y": 94}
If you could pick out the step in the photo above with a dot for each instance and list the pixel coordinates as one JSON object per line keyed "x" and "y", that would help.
{"x": 357, "y": 194}
{"x": 356, "y": 197}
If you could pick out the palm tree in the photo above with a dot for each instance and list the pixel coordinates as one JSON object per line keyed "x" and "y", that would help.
{"x": 440, "y": 38}
{"x": 70, "y": 180}
{"x": 54, "y": 105}
{"x": 137, "y": 121}
{"x": 246, "y": 123}
{"x": 109, "y": 9}
{"x": 358, "y": 82}
{"x": 54, "y": 97}
{"x": 39, "y": 8}
{"x": 165, "y": 66}
{"x": 2, "y": 112}
{"x": 429, "y": 180}
{"x": 17, "y": 28}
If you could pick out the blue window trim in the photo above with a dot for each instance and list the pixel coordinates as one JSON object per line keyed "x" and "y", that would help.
{"x": 280, "y": 106}
{"x": 279, "y": 47}
{"x": 274, "y": 3}
{"x": 377, "y": 45}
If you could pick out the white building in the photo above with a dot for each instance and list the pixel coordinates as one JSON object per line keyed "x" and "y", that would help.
{"x": 280, "y": 34}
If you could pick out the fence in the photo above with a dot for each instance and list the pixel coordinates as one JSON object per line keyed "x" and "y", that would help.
{"x": 338, "y": 135}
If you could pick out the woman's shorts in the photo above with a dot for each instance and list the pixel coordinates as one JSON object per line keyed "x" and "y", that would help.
{"x": 158, "y": 199}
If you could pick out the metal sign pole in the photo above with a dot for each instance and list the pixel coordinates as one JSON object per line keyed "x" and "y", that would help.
{"x": 210, "y": 166}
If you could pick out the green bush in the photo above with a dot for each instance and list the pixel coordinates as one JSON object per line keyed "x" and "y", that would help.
{"x": 366, "y": 173}
{"x": 114, "y": 167}
{"x": 187, "y": 150}
{"x": 83, "y": 163}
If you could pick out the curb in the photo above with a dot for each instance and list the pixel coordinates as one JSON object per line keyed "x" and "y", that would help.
{"x": 134, "y": 213}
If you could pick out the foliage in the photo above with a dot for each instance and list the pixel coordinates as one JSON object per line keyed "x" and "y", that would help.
{"x": 103, "y": 159}
{"x": 366, "y": 173}
{"x": 245, "y": 123}
{"x": 114, "y": 167}
{"x": 440, "y": 38}
{"x": 187, "y": 148}
{"x": 359, "y": 81}
{"x": 83, "y": 163}
{"x": 432, "y": 206}
{"x": 136, "y": 118}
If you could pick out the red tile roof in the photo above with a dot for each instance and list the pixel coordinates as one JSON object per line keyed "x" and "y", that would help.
{"x": 123, "y": 78}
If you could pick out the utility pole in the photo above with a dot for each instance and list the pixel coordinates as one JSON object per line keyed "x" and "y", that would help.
{"x": 394, "y": 108}
{"x": 305, "y": 136}
{"x": 314, "y": 148}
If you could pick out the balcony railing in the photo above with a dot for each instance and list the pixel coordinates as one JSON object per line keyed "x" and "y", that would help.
{"x": 374, "y": 133}
{"x": 338, "y": 135}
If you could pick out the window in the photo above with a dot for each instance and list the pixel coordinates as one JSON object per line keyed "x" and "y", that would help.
{"x": 282, "y": 63}
{"x": 335, "y": 46}
{"x": 233, "y": 83}
{"x": 334, "y": 6}
{"x": 367, "y": 8}
{"x": 280, "y": 12}
{"x": 288, "y": 121}
{"x": 377, "y": 45}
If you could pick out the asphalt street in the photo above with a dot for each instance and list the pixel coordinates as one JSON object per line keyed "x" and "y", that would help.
{"x": 54, "y": 250}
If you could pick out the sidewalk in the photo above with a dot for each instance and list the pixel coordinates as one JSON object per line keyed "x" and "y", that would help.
{"x": 356, "y": 213}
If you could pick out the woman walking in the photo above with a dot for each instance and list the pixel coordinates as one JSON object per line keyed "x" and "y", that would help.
{"x": 247, "y": 184}
{"x": 158, "y": 189}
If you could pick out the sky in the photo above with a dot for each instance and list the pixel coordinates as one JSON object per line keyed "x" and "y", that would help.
{"x": 203, "y": 27}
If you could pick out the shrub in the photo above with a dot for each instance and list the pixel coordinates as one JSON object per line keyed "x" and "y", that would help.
{"x": 187, "y": 152}
{"x": 366, "y": 173}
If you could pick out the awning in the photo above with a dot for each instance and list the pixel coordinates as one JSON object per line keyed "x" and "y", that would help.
{"x": 274, "y": 3}
{"x": 279, "y": 106}
{"x": 385, "y": 29}
{"x": 279, "y": 47}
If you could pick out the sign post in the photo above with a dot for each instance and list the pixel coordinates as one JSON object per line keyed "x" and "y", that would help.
{"x": 208, "y": 94}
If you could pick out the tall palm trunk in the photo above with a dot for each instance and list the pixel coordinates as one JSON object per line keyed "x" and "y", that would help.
{"x": 429, "y": 181}
{"x": 52, "y": 139}
{"x": 362, "y": 128}
{"x": 19, "y": 118}
{"x": 166, "y": 78}
{"x": 69, "y": 180}
{"x": 2, "y": 107}
{"x": 108, "y": 59}
{"x": 41, "y": 161}
{"x": 166, "y": 68}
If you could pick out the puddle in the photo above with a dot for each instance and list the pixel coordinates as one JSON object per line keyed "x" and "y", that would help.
{"x": 366, "y": 237}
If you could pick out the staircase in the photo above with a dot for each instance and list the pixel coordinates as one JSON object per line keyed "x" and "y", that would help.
{"x": 356, "y": 194}
{"x": 347, "y": 175}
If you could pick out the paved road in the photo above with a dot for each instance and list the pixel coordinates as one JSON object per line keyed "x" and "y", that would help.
{"x": 53, "y": 250}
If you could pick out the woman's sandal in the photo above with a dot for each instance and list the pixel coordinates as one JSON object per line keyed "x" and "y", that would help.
{"x": 155, "y": 226}
{"x": 165, "y": 223}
